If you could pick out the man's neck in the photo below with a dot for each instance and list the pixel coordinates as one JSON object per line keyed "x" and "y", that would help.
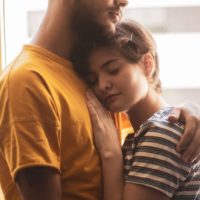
{"x": 55, "y": 33}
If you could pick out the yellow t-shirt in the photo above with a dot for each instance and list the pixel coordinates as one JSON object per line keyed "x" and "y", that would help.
{"x": 44, "y": 121}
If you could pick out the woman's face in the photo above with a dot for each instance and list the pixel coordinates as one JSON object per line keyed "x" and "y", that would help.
{"x": 118, "y": 83}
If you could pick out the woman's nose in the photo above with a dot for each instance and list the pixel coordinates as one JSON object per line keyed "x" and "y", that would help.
{"x": 104, "y": 84}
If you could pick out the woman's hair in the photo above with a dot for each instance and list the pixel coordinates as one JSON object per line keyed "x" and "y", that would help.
{"x": 131, "y": 39}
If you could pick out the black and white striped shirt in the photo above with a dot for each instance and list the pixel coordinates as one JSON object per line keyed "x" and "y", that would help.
{"x": 150, "y": 159}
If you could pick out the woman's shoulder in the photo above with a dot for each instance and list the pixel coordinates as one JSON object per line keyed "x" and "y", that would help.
{"x": 159, "y": 122}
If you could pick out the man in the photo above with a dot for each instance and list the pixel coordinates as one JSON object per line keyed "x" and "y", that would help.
{"x": 46, "y": 141}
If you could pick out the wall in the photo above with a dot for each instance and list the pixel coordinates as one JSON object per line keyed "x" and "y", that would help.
{"x": 176, "y": 96}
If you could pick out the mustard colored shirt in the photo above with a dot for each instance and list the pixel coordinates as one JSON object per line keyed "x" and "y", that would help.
{"x": 44, "y": 121}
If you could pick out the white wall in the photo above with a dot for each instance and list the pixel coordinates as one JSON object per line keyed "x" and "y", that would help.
{"x": 177, "y": 96}
{"x": 16, "y": 23}
{"x": 160, "y": 3}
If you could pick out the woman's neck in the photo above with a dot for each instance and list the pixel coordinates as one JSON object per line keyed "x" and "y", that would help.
{"x": 144, "y": 109}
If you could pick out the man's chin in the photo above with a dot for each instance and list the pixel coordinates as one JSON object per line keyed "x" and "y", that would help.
{"x": 97, "y": 32}
{"x": 112, "y": 28}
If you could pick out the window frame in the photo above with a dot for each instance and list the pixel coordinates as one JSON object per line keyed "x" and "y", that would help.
{"x": 2, "y": 36}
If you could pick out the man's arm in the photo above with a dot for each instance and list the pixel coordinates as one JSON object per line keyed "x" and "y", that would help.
{"x": 189, "y": 145}
{"x": 39, "y": 183}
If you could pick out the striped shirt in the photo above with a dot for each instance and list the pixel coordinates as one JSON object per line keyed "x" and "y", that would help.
{"x": 150, "y": 159}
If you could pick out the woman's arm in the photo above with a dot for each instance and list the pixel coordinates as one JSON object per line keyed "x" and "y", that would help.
{"x": 112, "y": 176}
{"x": 140, "y": 192}
{"x": 108, "y": 146}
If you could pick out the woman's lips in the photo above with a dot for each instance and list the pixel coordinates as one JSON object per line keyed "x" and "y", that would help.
{"x": 110, "y": 98}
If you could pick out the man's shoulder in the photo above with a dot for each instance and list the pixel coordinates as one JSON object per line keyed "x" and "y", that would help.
{"x": 24, "y": 68}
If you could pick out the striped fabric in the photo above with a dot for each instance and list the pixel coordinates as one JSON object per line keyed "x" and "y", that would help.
{"x": 150, "y": 159}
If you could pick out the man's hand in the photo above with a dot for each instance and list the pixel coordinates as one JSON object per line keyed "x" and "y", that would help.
{"x": 189, "y": 144}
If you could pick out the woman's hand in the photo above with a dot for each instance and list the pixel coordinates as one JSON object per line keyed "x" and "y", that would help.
{"x": 107, "y": 143}
{"x": 105, "y": 134}
{"x": 189, "y": 145}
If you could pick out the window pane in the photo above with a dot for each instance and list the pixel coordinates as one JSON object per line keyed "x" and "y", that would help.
{"x": 177, "y": 32}
{"x": 19, "y": 23}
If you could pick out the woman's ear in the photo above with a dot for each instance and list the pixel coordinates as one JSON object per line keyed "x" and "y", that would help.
{"x": 149, "y": 65}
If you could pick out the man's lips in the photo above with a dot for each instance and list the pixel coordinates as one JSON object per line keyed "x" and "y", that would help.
{"x": 115, "y": 16}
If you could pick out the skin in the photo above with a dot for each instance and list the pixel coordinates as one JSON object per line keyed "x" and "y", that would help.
{"x": 112, "y": 79}
{"x": 39, "y": 183}
{"x": 124, "y": 86}
{"x": 61, "y": 43}
{"x": 100, "y": 22}
{"x": 63, "y": 39}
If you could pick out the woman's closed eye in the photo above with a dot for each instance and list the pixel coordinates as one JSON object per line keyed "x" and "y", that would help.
{"x": 113, "y": 70}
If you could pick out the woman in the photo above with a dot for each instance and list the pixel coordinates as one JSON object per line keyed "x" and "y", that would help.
{"x": 123, "y": 72}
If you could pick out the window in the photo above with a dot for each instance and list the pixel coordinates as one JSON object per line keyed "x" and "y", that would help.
{"x": 175, "y": 26}
{"x": 2, "y": 38}
{"x": 22, "y": 18}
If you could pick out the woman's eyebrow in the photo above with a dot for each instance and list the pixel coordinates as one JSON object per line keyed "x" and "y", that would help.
{"x": 109, "y": 62}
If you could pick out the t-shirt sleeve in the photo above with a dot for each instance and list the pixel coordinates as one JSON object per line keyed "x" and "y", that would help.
{"x": 30, "y": 134}
{"x": 157, "y": 164}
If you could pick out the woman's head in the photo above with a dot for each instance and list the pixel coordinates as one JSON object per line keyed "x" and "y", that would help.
{"x": 120, "y": 70}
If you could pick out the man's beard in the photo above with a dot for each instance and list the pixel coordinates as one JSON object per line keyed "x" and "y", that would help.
{"x": 87, "y": 27}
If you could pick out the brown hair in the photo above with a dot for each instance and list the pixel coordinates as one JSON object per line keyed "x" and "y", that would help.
{"x": 131, "y": 39}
